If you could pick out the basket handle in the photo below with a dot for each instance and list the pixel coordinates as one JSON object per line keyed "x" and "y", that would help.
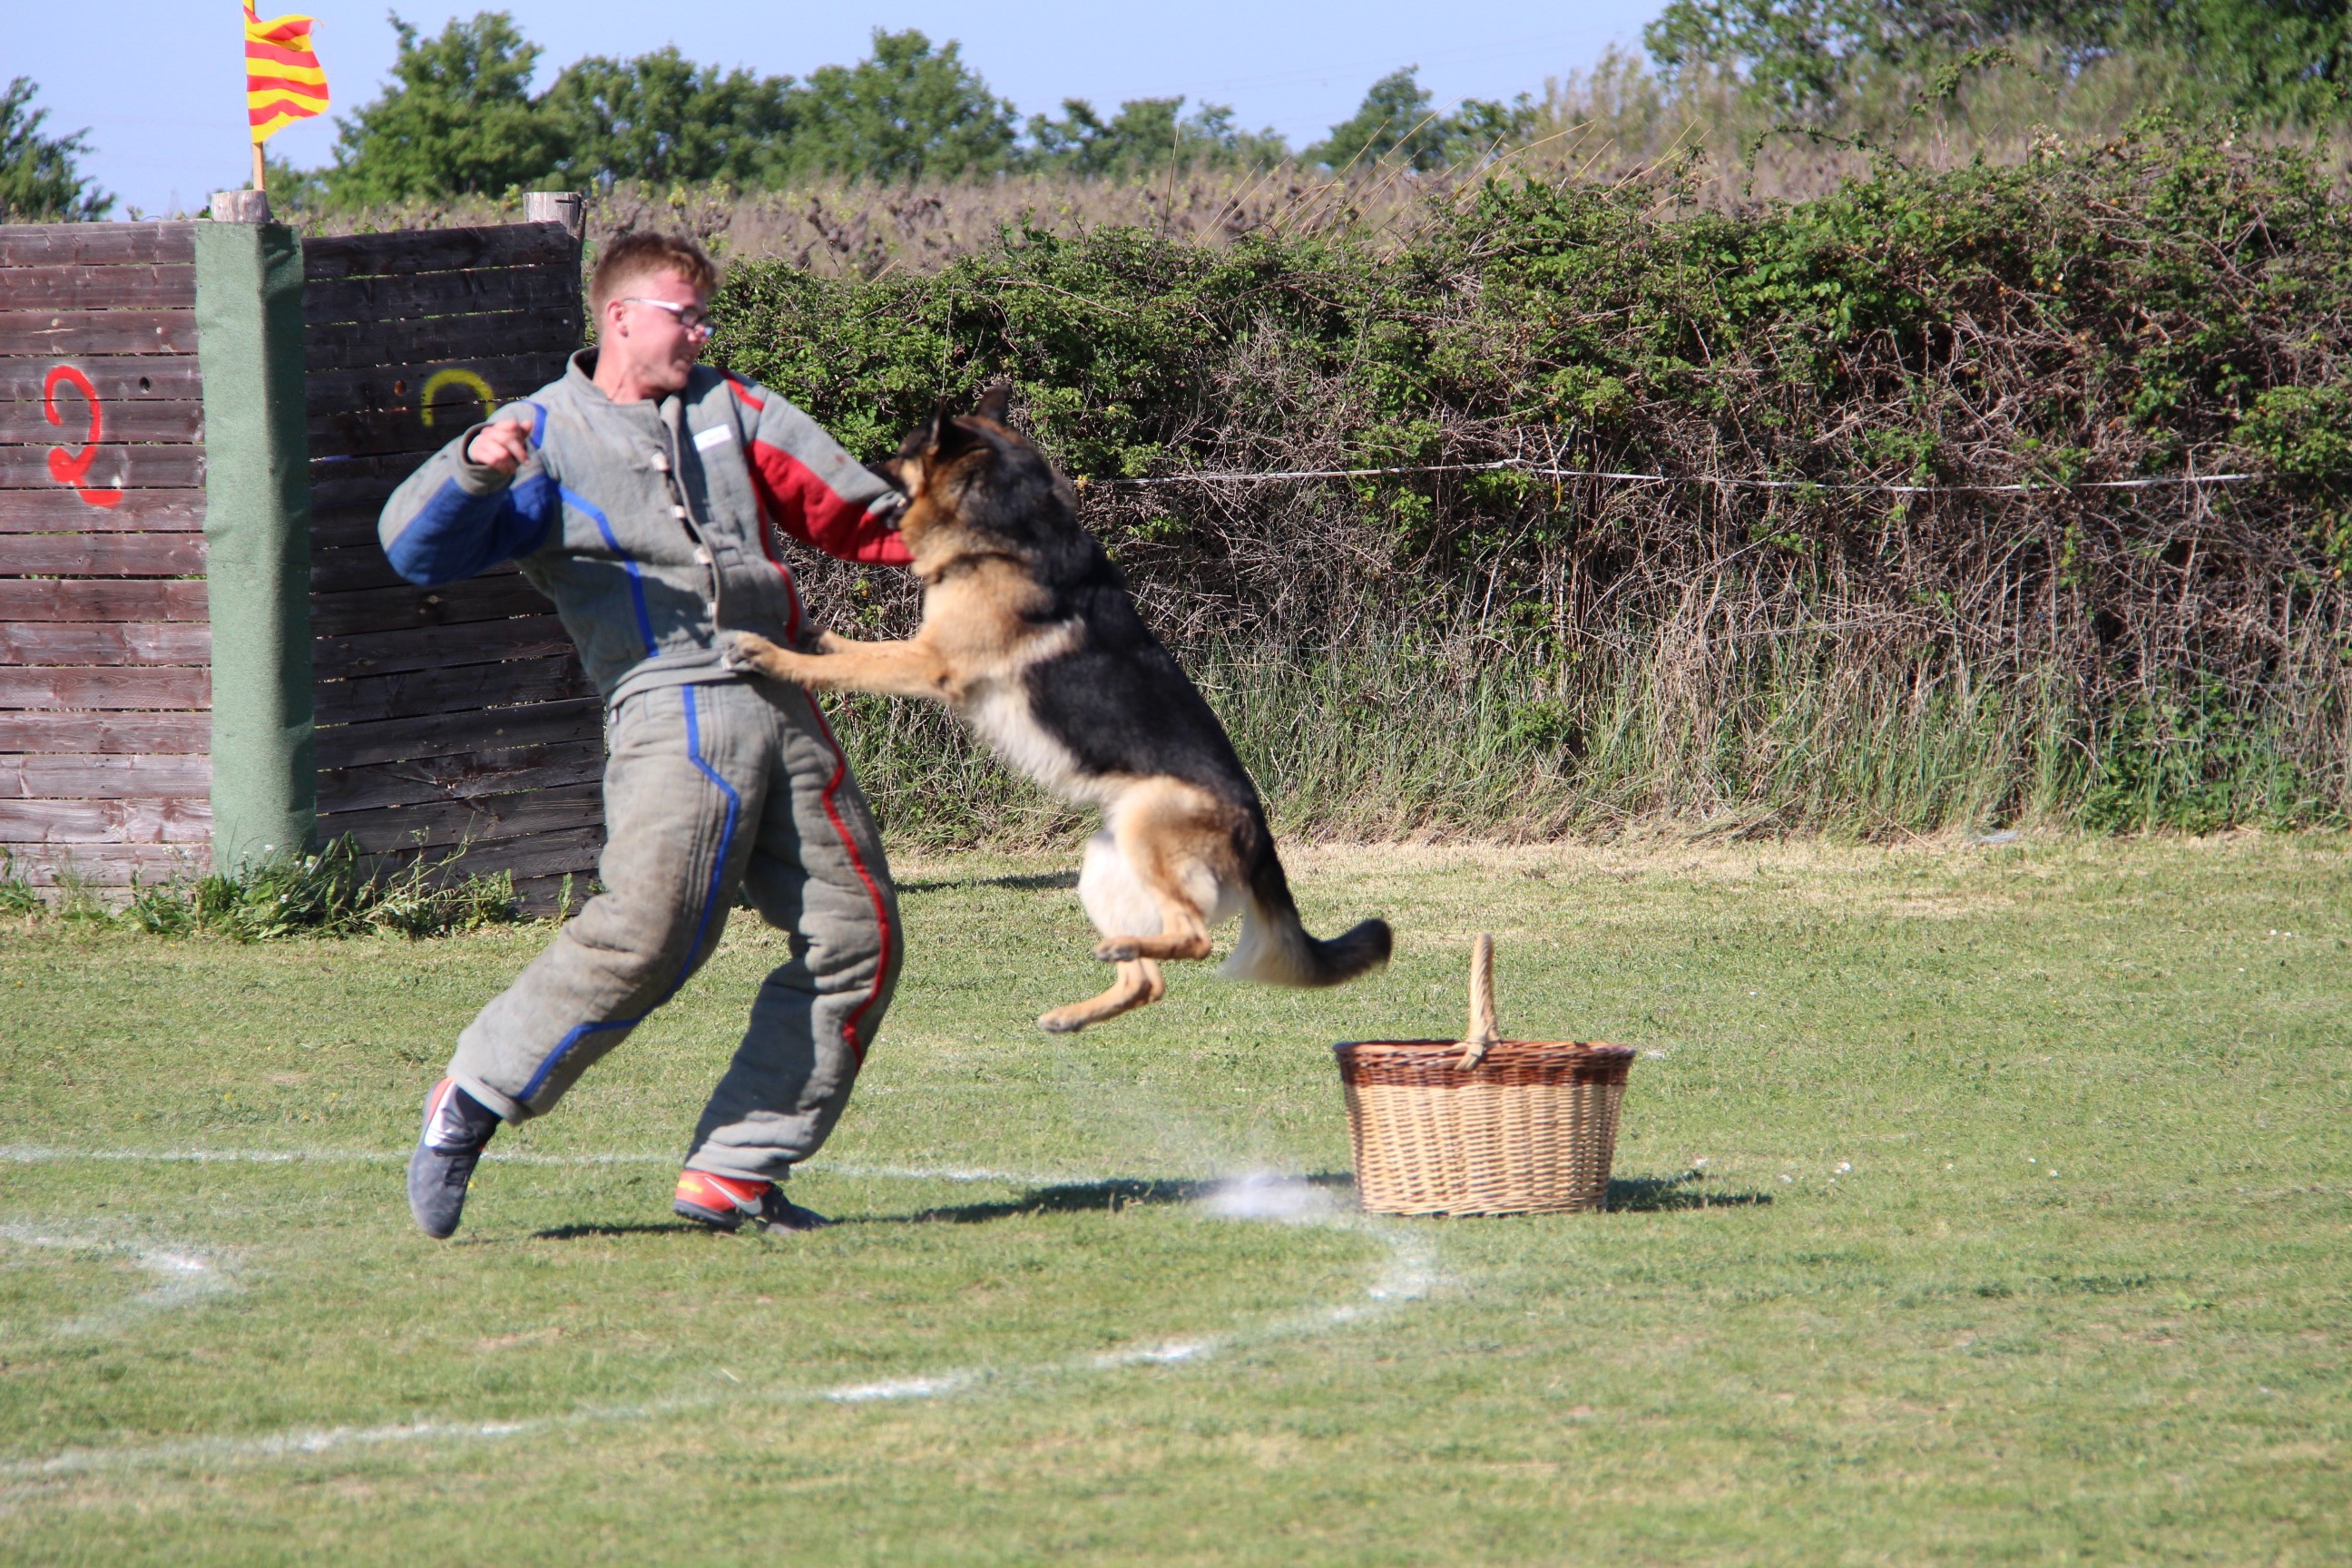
{"x": 1481, "y": 1038}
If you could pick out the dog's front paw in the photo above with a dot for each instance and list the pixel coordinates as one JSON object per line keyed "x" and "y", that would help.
{"x": 1063, "y": 1020}
{"x": 750, "y": 651}
{"x": 1115, "y": 948}
{"x": 755, "y": 654}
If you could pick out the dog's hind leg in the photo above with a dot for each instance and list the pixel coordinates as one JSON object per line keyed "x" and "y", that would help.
{"x": 1169, "y": 836}
{"x": 1138, "y": 985}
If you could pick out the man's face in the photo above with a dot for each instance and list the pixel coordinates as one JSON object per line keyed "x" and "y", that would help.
{"x": 648, "y": 325}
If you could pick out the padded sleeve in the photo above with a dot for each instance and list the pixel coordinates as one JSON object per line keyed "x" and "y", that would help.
{"x": 815, "y": 491}
{"x": 452, "y": 518}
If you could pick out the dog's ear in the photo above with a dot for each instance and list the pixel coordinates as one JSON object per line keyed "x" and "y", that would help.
{"x": 937, "y": 438}
{"x": 937, "y": 431}
{"x": 995, "y": 405}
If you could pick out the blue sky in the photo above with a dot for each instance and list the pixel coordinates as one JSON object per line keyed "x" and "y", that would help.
{"x": 157, "y": 82}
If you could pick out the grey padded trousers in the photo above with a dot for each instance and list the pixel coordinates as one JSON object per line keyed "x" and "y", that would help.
{"x": 707, "y": 789}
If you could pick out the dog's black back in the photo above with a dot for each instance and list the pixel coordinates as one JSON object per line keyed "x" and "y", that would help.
{"x": 1117, "y": 701}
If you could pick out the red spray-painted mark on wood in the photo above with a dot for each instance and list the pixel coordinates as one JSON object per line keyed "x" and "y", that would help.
{"x": 70, "y": 468}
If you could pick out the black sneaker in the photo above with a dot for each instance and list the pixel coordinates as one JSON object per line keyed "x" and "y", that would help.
{"x": 724, "y": 1202}
{"x": 458, "y": 1127}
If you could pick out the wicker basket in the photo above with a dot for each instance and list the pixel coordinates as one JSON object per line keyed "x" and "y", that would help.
{"x": 1481, "y": 1125}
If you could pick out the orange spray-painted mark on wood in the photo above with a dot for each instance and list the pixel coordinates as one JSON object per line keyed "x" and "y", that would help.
{"x": 72, "y": 468}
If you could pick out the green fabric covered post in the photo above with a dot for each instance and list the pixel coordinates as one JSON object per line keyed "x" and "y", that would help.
{"x": 257, "y": 530}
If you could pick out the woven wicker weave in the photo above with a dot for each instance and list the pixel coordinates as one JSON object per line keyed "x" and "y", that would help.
{"x": 1481, "y": 1125}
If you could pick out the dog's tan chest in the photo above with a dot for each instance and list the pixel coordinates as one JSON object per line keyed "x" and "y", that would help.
{"x": 994, "y": 701}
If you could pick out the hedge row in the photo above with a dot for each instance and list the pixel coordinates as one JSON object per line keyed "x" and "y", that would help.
{"x": 2168, "y": 305}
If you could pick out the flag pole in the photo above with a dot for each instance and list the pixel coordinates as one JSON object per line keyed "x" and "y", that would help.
{"x": 258, "y": 177}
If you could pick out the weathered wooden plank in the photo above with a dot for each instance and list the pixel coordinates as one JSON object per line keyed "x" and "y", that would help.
{"x": 438, "y": 340}
{"x": 105, "y": 642}
{"x": 463, "y": 690}
{"x": 340, "y": 569}
{"x": 350, "y": 523}
{"x": 351, "y": 567}
{"x": 107, "y": 734}
{"x": 437, "y": 250}
{"x": 401, "y": 438}
{"x": 362, "y": 489}
{"x": 116, "y": 467}
{"x": 57, "y": 510}
{"x": 84, "y": 777}
{"x": 546, "y": 897}
{"x": 125, "y": 599}
{"x": 105, "y": 821}
{"x": 344, "y": 527}
{"x": 415, "y": 780}
{"x": 117, "y": 378}
{"x": 445, "y": 735}
{"x": 441, "y": 340}
{"x": 510, "y": 376}
{"x": 101, "y": 554}
{"x": 419, "y": 295}
{"x": 430, "y": 648}
{"x": 83, "y": 286}
{"x": 390, "y": 432}
{"x": 171, "y": 241}
{"x": 341, "y": 477}
{"x": 44, "y": 688}
{"x": 151, "y": 419}
{"x": 390, "y": 609}
{"x": 68, "y": 334}
{"x": 107, "y": 867}
{"x": 574, "y": 850}
{"x": 446, "y": 823}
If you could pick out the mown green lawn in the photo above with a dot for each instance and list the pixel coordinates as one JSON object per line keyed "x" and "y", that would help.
{"x": 1975, "y": 1205}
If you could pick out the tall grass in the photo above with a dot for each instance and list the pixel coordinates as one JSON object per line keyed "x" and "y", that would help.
{"x": 1393, "y": 740}
{"x": 338, "y": 891}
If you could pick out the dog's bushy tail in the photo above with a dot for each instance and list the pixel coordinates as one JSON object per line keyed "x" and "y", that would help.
{"x": 1275, "y": 948}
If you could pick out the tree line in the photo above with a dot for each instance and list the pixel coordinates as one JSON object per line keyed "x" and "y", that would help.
{"x": 2285, "y": 61}
{"x": 458, "y": 115}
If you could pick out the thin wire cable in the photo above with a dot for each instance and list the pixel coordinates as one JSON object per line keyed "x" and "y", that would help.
{"x": 1539, "y": 470}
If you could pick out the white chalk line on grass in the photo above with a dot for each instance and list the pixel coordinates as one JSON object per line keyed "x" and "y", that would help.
{"x": 37, "y": 1154}
{"x": 1408, "y": 1273}
{"x": 183, "y": 1276}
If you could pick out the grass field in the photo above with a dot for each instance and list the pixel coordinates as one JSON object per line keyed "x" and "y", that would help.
{"x": 1974, "y": 1205}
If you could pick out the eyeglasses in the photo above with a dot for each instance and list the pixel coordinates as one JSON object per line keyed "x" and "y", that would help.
{"x": 695, "y": 319}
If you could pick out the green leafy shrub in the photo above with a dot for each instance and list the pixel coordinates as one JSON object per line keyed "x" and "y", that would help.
{"x": 2173, "y": 302}
{"x": 2198, "y": 765}
{"x": 339, "y": 892}
{"x": 18, "y": 896}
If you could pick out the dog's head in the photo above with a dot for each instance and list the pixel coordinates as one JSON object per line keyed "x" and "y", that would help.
{"x": 972, "y": 484}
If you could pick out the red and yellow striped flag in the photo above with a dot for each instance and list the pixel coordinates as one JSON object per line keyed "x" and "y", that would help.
{"x": 283, "y": 82}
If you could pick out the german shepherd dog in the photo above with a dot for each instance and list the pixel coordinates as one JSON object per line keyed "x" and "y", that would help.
{"x": 1030, "y": 635}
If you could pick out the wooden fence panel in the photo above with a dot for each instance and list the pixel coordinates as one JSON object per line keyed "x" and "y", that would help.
{"x": 445, "y": 716}
{"x": 98, "y": 244}
{"x": 58, "y": 334}
{"x": 418, "y": 250}
{"x": 105, "y": 652}
{"x": 455, "y": 715}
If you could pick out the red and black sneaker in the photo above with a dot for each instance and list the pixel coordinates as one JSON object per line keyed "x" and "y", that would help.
{"x": 724, "y": 1202}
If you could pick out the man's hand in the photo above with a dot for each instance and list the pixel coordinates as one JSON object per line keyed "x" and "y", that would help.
{"x": 502, "y": 446}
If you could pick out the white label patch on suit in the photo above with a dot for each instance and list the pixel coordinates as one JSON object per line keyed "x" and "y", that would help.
{"x": 717, "y": 436}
